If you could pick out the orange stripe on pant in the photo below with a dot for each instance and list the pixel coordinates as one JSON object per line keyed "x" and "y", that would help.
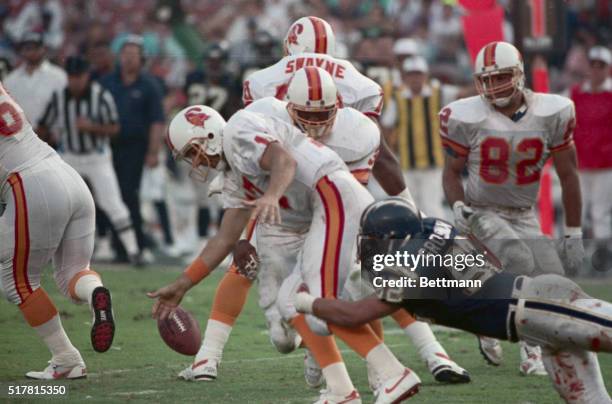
{"x": 21, "y": 252}
{"x": 334, "y": 228}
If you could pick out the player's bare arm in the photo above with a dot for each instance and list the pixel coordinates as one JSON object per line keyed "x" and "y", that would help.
{"x": 387, "y": 170}
{"x": 216, "y": 249}
{"x": 345, "y": 313}
{"x": 103, "y": 130}
{"x": 565, "y": 163}
{"x": 451, "y": 176}
{"x": 281, "y": 166}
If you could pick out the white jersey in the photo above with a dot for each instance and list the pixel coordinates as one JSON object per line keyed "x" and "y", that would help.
{"x": 355, "y": 89}
{"x": 20, "y": 147}
{"x": 354, "y": 137}
{"x": 505, "y": 156}
{"x": 246, "y": 137}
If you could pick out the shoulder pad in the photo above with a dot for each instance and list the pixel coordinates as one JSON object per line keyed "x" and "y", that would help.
{"x": 269, "y": 106}
{"x": 468, "y": 110}
{"x": 549, "y": 104}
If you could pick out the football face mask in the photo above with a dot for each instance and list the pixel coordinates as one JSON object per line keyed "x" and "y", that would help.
{"x": 200, "y": 162}
{"x": 316, "y": 122}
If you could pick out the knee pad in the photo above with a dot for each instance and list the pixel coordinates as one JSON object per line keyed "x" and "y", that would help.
{"x": 284, "y": 338}
{"x": 317, "y": 325}
{"x": 516, "y": 257}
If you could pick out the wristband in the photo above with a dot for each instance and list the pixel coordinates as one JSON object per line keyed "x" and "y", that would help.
{"x": 197, "y": 271}
{"x": 304, "y": 302}
{"x": 572, "y": 232}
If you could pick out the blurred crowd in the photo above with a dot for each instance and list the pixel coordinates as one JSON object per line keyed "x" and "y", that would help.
{"x": 199, "y": 51}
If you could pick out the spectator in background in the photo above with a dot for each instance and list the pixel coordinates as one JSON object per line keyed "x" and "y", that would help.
{"x": 101, "y": 59}
{"x": 141, "y": 117}
{"x": 593, "y": 138}
{"x": 45, "y": 16}
{"x": 84, "y": 116}
{"x": 412, "y": 114}
{"x": 33, "y": 83}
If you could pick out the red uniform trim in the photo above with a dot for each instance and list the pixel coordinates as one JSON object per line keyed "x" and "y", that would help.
{"x": 334, "y": 231}
{"x": 21, "y": 252}
{"x": 320, "y": 35}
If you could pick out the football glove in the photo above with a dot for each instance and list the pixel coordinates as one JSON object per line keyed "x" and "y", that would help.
{"x": 246, "y": 259}
{"x": 572, "y": 249}
{"x": 462, "y": 214}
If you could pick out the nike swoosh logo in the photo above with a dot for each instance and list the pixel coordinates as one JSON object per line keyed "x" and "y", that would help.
{"x": 354, "y": 395}
{"x": 200, "y": 363}
{"x": 406, "y": 373}
{"x": 58, "y": 375}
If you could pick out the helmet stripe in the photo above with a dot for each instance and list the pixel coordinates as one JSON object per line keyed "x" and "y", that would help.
{"x": 489, "y": 56}
{"x": 320, "y": 35}
{"x": 315, "y": 92}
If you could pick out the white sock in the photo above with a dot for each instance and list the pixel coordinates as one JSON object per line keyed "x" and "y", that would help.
{"x": 338, "y": 379}
{"x": 129, "y": 241}
{"x": 423, "y": 339}
{"x": 215, "y": 338}
{"x": 384, "y": 362}
{"x": 54, "y": 336}
{"x": 85, "y": 286}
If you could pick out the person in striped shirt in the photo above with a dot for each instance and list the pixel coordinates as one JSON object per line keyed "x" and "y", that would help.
{"x": 84, "y": 117}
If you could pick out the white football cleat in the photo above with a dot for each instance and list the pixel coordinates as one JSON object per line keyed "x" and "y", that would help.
{"x": 399, "y": 388}
{"x": 445, "y": 370}
{"x": 55, "y": 370}
{"x": 491, "y": 350}
{"x": 312, "y": 371}
{"x": 202, "y": 371}
{"x": 373, "y": 378}
{"x": 327, "y": 397}
{"x": 531, "y": 360}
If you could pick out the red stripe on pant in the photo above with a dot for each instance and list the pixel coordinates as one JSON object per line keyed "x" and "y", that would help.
{"x": 334, "y": 229}
{"x": 21, "y": 252}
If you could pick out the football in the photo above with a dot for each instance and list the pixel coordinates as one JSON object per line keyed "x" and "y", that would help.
{"x": 181, "y": 332}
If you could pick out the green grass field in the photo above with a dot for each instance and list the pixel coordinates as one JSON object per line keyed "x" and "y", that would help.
{"x": 139, "y": 367}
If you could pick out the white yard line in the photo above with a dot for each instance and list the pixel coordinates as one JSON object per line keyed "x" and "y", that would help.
{"x": 278, "y": 357}
{"x": 137, "y": 393}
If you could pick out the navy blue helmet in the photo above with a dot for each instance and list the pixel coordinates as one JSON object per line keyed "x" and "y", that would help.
{"x": 391, "y": 218}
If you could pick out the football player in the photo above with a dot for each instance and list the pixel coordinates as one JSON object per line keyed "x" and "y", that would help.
{"x": 310, "y": 42}
{"x": 275, "y": 174}
{"x": 547, "y": 310}
{"x": 504, "y": 137}
{"x": 47, "y": 214}
{"x": 356, "y": 139}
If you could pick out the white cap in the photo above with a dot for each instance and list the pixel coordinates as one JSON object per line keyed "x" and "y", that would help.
{"x": 415, "y": 64}
{"x": 600, "y": 53}
{"x": 406, "y": 46}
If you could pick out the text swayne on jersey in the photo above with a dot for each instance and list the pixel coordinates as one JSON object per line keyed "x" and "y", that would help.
{"x": 412, "y": 261}
{"x": 424, "y": 282}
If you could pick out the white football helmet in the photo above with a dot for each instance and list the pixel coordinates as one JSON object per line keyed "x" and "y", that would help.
{"x": 312, "y": 101}
{"x": 195, "y": 135}
{"x": 494, "y": 59}
{"x": 310, "y": 34}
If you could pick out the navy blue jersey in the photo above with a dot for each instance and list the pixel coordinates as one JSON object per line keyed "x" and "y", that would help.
{"x": 481, "y": 310}
{"x": 221, "y": 93}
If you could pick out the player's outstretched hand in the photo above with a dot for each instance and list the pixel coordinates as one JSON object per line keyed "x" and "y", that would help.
{"x": 265, "y": 210}
{"x": 168, "y": 298}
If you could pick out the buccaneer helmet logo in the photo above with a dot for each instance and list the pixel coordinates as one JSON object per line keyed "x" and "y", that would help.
{"x": 195, "y": 117}
{"x": 295, "y": 31}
